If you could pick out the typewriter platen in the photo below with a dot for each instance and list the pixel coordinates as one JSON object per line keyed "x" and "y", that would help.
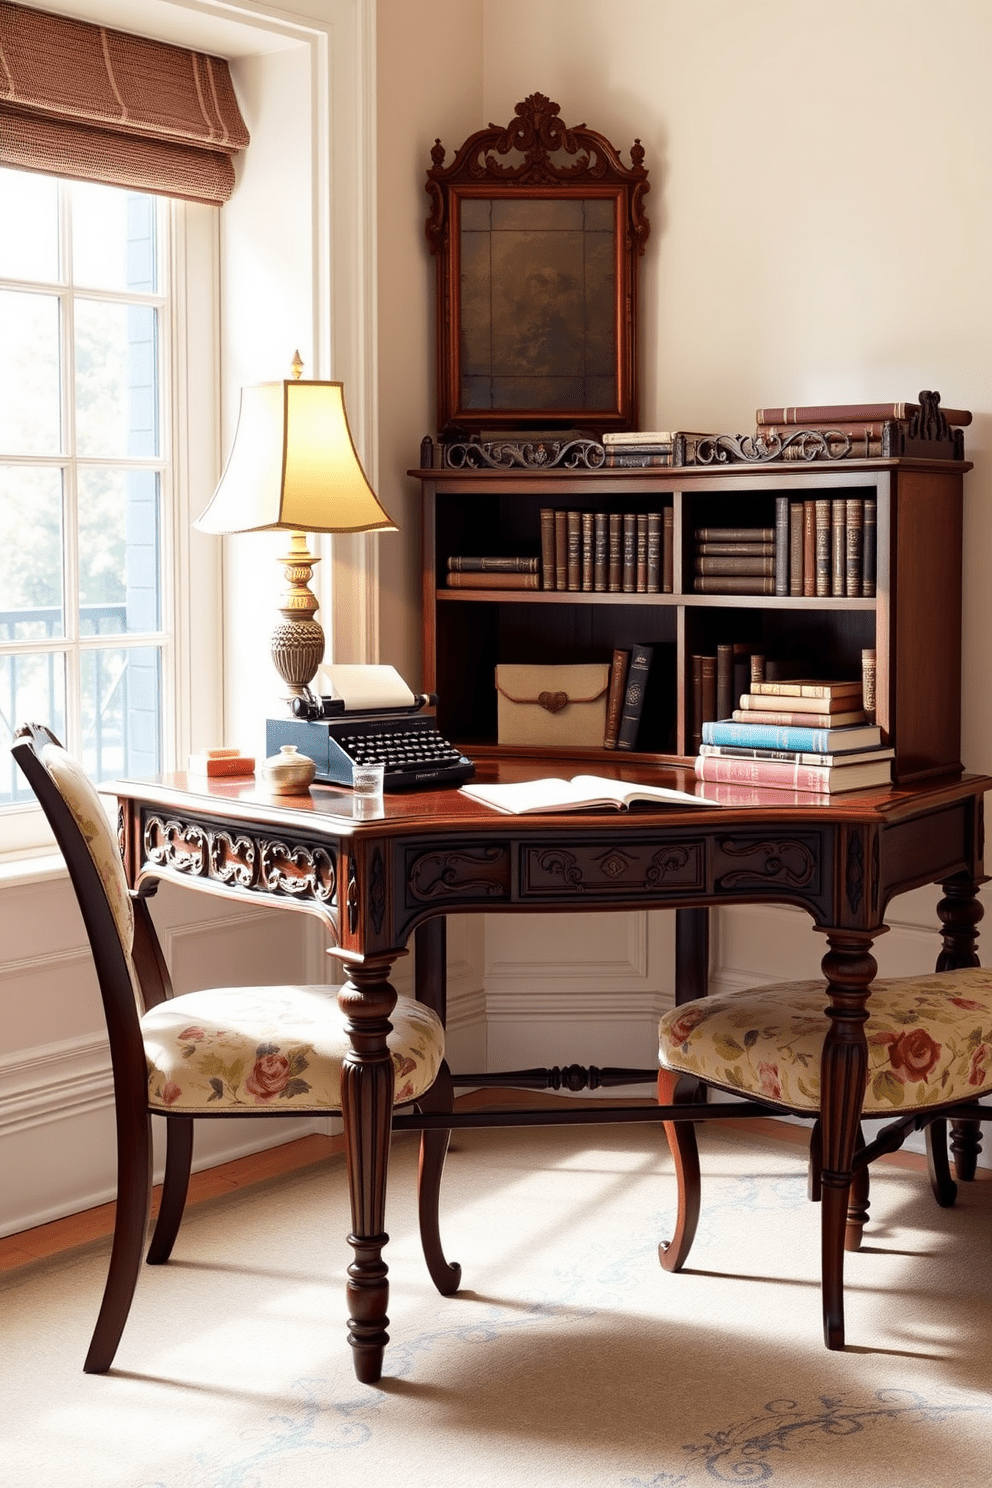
{"x": 403, "y": 738}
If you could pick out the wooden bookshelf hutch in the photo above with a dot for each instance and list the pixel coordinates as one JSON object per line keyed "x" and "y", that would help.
{"x": 913, "y": 621}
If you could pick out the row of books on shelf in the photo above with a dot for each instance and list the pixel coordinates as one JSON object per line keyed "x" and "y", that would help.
{"x": 739, "y": 683}
{"x": 817, "y": 548}
{"x": 584, "y": 552}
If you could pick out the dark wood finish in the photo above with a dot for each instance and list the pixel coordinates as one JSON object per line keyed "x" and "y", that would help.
{"x": 913, "y": 621}
{"x": 532, "y": 165}
{"x": 376, "y": 884}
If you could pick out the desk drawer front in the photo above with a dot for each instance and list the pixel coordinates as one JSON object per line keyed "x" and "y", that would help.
{"x": 600, "y": 870}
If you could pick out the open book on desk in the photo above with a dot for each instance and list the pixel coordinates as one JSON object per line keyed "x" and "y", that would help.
{"x": 582, "y": 791}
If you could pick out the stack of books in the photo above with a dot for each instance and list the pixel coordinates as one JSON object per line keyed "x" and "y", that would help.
{"x": 735, "y": 560}
{"x": 638, "y": 449}
{"x": 871, "y": 427}
{"x": 607, "y": 552}
{"x": 494, "y": 572}
{"x": 802, "y": 735}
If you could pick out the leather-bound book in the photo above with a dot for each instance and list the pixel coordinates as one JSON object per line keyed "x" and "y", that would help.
{"x": 781, "y": 544}
{"x": 766, "y": 566}
{"x": 614, "y": 698}
{"x": 600, "y": 552}
{"x": 574, "y": 569}
{"x": 588, "y": 552}
{"x": 725, "y": 699}
{"x": 642, "y": 552}
{"x": 667, "y": 550}
{"x": 809, "y": 549}
{"x": 654, "y": 552}
{"x": 822, "y": 547}
{"x": 868, "y": 547}
{"x": 547, "y": 548}
{"x": 629, "y": 569}
{"x": 614, "y": 573}
{"x": 733, "y": 584}
{"x": 795, "y": 547}
{"x": 561, "y": 550}
{"x": 838, "y": 546}
{"x": 633, "y": 698}
{"x": 855, "y": 517}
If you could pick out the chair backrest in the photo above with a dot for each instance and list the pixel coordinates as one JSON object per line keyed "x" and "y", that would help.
{"x": 76, "y": 815}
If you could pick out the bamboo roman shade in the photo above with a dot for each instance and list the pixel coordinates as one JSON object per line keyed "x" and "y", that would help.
{"x": 101, "y": 105}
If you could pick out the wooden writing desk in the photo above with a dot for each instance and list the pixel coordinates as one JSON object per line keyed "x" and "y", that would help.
{"x": 378, "y": 881}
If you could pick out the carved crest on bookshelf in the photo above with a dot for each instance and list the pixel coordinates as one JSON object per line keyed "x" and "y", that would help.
{"x": 527, "y": 454}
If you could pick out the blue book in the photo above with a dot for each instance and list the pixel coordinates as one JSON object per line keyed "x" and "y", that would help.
{"x": 803, "y": 740}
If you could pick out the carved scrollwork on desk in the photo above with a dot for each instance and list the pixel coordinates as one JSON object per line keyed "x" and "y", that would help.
{"x": 484, "y": 874}
{"x": 233, "y": 860}
{"x": 854, "y": 878}
{"x": 790, "y": 863}
{"x": 377, "y": 890}
{"x": 301, "y": 872}
{"x": 558, "y": 863}
{"x": 671, "y": 860}
{"x": 181, "y": 846}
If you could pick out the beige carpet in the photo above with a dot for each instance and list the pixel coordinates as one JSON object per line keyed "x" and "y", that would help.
{"x": 570, "y": 1359}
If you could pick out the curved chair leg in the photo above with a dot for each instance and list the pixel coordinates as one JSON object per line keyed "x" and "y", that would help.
{"x": 814, "y": 1188}
{"x": 685, "y": 1155}
{"x": 134, "y": 1195}
{"x": 178, "y": 1161}
{"x": 945, "y": 1190}
{"x": 446, "y": 1276}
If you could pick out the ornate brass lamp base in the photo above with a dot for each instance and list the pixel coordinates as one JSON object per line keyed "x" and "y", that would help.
{"x": 298, "y": 643}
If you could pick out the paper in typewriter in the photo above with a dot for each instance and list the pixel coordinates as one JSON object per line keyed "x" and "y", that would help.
{"x": 365, "y": 687}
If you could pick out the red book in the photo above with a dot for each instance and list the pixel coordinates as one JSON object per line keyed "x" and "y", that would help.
{"x": 826, "y": 779}
{"x": 861, "y": 413}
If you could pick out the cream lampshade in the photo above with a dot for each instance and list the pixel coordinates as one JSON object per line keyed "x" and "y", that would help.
{"x": 293, "y": 467}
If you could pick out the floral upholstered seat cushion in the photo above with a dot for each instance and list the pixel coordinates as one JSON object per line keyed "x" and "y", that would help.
{"x": 929, "y": 1041}
{"x": 279, "y": 1048}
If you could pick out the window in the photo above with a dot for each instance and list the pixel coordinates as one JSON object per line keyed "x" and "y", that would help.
{"x": 85, "y": 477}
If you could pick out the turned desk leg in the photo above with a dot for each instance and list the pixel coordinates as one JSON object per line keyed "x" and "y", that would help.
{"x": 960, "y": 913}
{"x": 367, "y": 998}
{"x": 849, "y": 968}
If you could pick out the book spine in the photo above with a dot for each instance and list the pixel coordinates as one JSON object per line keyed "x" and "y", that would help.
{"x": 789, "y": 756}
{"x": 734, "y": 584}
{"x": 614, "y": 698}
{"x": 838, "y": 546}
{"x": 708, "y": 713}
{"x": 696, "y": 732}
{"x": 780, "y": 718}
{"x": 654, "y": 552}
{"x": 767, "y": 736}
{"x": 725, "y": 699}
{"x": 755, "y": 670}
{"x": 494, "y": 565}
{"x": 852, "y": 413}
{"x": 724, "y": 771}
{"x": 588, "y": 552}
{"x": 574, "y": 569}
{"x": 621, "y": 458}
{"x": 668, "y": 550}
{"x": 797, "y": 702}
{"x": 764, "y": 566}
{"x": 795, "y": 547}
{"x": 548, "y": 578}
{"x": 642, "y": 552}
{"x": 561, "y": 550}
{"x": 809, "y": 549}
{"x": 629, "y": 572}
{"x": 781, "y": 544}
{"x": 735, "y": 550}
{"x": 868, "y": 547}
{"x": 868, "y": 679}
{"x": 855, "y": 517}
{"x": 822, "y": 547}
{"x": 614, "y": 576}
{"x": 735, "y": 534}
{"x": 633, "y": 697}
{"x": 600, "y": 553}
{"x": 494, "y": 581}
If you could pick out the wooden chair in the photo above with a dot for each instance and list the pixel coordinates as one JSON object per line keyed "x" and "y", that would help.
{"x": 224, "y": 1052}
{"x": 930, "y": 1060}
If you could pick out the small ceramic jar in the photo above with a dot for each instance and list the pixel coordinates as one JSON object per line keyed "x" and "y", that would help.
{"x": 288, "y": 773}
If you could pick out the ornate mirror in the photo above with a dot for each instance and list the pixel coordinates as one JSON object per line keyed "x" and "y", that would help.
{"x": 537, "y": 230}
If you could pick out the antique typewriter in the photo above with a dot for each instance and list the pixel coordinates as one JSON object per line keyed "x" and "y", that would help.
{"x": 403, "y": 737}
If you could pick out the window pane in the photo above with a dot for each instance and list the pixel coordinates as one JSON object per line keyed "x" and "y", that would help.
{"x": 118, "y": 551}
{"x": 116, "y": 379}
{"x": 30, "y": 553}
{"x": 30, "y": 410}
{"x": 32, "y": 690}
{"x": 29, "y": 226}
{"x": 121, "y": 716}
{"x": 113, "y": 238}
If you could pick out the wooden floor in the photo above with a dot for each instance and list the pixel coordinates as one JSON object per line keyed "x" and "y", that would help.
{"x": 91, "y": 1224}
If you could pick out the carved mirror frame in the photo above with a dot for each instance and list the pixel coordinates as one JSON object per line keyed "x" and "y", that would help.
{"x": 537, "y": 230}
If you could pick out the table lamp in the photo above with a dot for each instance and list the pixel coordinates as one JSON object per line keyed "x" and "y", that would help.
{"x": 293, "y": 467}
